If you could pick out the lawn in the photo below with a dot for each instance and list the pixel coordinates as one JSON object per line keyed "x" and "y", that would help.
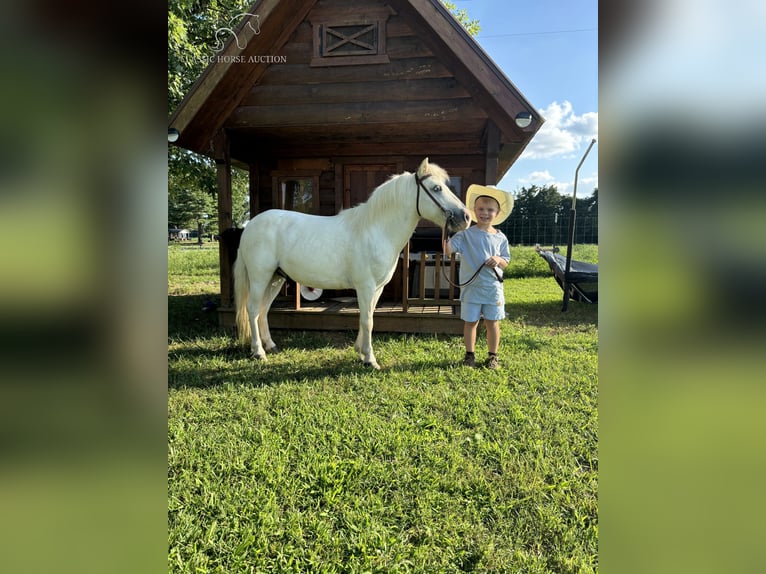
{"x": 311, "y": 462}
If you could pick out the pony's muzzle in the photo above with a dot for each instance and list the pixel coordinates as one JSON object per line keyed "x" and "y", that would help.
{"x": 457, "y": 221}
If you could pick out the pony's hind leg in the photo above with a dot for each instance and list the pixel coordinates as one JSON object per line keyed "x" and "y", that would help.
{"x": 263, "y": 317}
{"x": 258, "y": 291}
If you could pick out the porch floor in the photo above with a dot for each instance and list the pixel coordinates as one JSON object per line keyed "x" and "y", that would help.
{"x": 343, "y": 314}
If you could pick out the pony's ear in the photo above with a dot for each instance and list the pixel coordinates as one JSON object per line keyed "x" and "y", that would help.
{"x": 423, "y": 169}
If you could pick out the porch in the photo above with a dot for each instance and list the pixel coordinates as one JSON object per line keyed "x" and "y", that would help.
{"x": 430, "y": 306}
{"x": 342, "y": 313}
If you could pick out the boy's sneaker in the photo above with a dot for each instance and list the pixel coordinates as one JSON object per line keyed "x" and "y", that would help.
{"x": 469, "y": 360}
{"x": 492, "y": 361}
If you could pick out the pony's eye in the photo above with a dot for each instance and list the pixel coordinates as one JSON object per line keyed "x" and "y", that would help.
{"x": 437, "y": 188}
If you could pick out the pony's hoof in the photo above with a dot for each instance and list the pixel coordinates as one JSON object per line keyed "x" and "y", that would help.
{"x": 375, "y": 366}
{"x": 272, "y": 350}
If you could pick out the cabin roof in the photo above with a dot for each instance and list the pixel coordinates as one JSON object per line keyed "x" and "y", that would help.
{"x": 431, "y": 89}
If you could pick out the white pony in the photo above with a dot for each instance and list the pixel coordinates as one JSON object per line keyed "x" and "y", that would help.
{"x": 358, "y": 249}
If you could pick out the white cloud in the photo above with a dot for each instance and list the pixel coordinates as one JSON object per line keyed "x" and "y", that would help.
{"x": 563, "y": 132}
{"x": 585, "y": 186}
{"x": 538, "y": 178}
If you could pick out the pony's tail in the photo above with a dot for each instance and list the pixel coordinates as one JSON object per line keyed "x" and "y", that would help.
{"x": 241, "y": 294}
{"x": 231, "y": 238}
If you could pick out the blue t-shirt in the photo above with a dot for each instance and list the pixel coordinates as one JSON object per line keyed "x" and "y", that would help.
{"x": 475, "y": 247}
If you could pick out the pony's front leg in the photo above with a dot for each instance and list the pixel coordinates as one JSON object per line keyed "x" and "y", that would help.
{"x": 363, "y": 345}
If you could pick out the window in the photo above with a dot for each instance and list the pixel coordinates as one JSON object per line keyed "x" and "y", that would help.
{"x": 297, "y": 193}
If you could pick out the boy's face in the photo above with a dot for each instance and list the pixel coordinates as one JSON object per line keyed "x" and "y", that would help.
{"x": 486, "y": 209}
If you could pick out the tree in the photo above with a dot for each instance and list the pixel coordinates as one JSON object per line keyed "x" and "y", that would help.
{"x": 536, "y": 201}
{"x": 592, "y": 203}
{"x": 191, "y": 33}
{"x": 192, "y": 187}
{"x": 186, "y": 207}
{"x": 472, "y": 26}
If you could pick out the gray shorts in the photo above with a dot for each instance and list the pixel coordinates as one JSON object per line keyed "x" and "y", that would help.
{"x": 470, "y": 312}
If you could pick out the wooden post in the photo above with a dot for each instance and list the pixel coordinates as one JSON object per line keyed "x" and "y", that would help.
{"x": 254, "y": 189}
{"x": 339, "y": 183}
{"x": 223, "y": 168}
{"x": 406, "y": 276}
{"x": 438, "y": 261}
{"x": 493, "y": 151}
{"x": 422, "y": 277}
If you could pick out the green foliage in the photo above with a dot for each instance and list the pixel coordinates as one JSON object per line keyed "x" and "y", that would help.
{"x": 534, "y": 200}
{"x": 592, "y": 203}
{"x": 191, "y": 36}
{"x": 472, "y": 26}
{"x": 191, "y": 178}
{"x": 312, "y": 463}
{"x": 186, "y": 206}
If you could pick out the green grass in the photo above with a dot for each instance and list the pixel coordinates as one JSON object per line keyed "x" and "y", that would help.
{"x": 525, "y": 262}
{"x": 312, "y": 463}
{"x": 193, "y": 269}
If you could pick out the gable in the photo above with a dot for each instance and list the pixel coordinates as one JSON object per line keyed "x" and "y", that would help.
{"x": 360, "y": 77}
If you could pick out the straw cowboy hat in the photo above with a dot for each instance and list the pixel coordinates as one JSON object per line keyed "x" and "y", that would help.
{"x": 504, "y": 198}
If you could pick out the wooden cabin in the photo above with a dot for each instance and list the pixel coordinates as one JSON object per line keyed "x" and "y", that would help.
{"x": 320, "y": 101}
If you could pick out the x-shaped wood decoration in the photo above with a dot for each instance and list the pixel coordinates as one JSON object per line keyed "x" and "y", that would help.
{"x": 351, "y": 39}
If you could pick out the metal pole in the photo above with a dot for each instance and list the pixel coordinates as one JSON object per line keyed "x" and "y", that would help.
{"x": 570, "y": 240}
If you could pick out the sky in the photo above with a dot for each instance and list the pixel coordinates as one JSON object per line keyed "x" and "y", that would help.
{"x": 549, "y": 50}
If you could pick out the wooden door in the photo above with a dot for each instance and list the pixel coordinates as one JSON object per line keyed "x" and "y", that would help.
{"x": 359, "y": 181}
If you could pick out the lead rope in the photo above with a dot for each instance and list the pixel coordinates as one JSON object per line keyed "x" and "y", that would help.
{"x": 419, "y": 183}
{"x": 474, "y": 276}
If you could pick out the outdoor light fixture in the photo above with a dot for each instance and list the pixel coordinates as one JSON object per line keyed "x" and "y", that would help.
{"x": 523, "y": 119}
{"x": 174, "y": 134}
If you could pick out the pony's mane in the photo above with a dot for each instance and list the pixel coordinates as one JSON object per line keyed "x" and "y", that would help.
{"x": 388, "y": 196}
{"x": 437, "y": 171}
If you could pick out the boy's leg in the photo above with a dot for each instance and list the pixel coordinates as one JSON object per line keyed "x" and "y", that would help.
{"x": 470, "y": 313}
{"x": 493, "y": 335}
{"x": 469, "y": 339}
{"x": 493, "y": 341}
{"x": 469, "y": 335}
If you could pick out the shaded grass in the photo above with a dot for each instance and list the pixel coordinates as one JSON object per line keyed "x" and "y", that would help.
{"x": 312, "y": 463}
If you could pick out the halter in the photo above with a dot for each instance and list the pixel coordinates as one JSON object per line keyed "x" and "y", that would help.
{"x": 444, "y": 232}
{"x": 429, "y": 194}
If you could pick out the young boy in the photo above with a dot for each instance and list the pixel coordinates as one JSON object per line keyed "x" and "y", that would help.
{"x": 484, "y": 248}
